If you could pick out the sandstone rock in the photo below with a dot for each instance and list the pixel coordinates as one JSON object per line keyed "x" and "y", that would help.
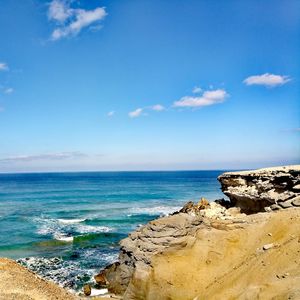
{"x": 296, "y": 188}
{"x": 137, "y": 250}
{"x": 285, "y": 204}
{"x": 187, "y": 207}
{"x": 203, "y": 204}
{"x": 296, "y": 201}
{"x": 252, "y": 191}
{"x": 87, "y": 289}
{"x": 100, "y": 279}
{"x": 275, "y": 207}
{"x": 249, "y": 192}
{"x": 268, "y": 246}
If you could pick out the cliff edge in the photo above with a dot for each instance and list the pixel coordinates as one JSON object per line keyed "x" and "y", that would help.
{"x": 238, "y": 249}
{"x": 263, "y": 189}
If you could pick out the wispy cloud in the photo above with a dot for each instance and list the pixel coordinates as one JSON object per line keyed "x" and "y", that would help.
{"x": 3, "y": 66}
{"x": 1, "y": 108}
{"x": 269, "y": 80}
{"x": 111, "y": 113}
{"x": 8, "y": 91}
{"x": 206, "y": 99}
{"x": 71, "y": 21}
{"x": 136, "y": 113}
{"x": 47, "y": 156}
{"x": 158, "y": 107}
{"x": 143, "y": 111}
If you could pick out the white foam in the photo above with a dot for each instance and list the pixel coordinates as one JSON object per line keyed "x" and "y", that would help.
{"x": 156, "y": 210}
{"x": 92, "y": 229}
{"x": 64, "y": 229}
{"x": 62, "y": 237}
{"x": 95, "y": 292}
{"x": 70, "y": 221}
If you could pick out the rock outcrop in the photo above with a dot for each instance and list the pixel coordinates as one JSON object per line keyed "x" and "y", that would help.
{"x": 139, "y": 247}
{"x": 205, "y": 250}
{"x": 263, "y": 189}
{"x": 173, "y": 232}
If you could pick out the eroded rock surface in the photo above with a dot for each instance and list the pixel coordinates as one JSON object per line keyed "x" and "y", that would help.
{"x": 181, "y": 255}
{"x": 169, "y": 233}
{"x": 256, "y": 190}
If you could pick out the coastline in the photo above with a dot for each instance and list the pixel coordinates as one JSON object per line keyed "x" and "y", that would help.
{"x": 223, "y": 245}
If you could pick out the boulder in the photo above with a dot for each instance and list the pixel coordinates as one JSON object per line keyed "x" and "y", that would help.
{"x": 203, "y": 204}
{"x": 187, "y": 207}
{"x": 100, "y": 279}
{"x": 87, "y": 290}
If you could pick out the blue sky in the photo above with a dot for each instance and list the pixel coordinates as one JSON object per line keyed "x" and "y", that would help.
{"x": 148, "y": 85}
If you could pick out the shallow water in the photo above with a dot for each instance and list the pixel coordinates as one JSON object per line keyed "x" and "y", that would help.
{"x": 68, "y": 225}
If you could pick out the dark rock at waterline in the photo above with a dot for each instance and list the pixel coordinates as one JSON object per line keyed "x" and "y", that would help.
{"x": 87, "y": 289}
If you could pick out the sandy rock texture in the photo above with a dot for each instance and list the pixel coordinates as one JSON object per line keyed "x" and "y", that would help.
{"x": 253, "y": 257}
{"x": 17, "y": 283}
{"x": 175, "y": 232}
{"x": 263, "y": 189}
{"x": 245, "y": 248}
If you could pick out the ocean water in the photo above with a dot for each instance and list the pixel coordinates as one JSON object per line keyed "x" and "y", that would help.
{"x": 66, "y": 226}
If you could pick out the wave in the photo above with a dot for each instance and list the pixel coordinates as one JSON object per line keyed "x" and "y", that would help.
{"x": 92, "y": 229}
{"x": 70, "y": 221}
{"x": 71, "y": 273}
{"x": 65, "y": 238}
{"x": 66, "y": 229}
{"x": 156, "y": 210}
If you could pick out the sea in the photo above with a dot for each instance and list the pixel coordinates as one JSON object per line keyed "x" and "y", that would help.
{"x": 67, "y": 226}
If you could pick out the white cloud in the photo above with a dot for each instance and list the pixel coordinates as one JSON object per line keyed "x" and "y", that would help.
{"x": 3, "y": 66}
{"x": 158, "y": 107}
{"x": 8, "y": 91}
{"x": 197, "y": 90}
{"x": 267, "y": 79}
{"x": 48, "y": 156}
{"x": 111, "y": 113}
{"x": 207, "y": 98}
{"x": 59, "y": 10}
{"x": 72, "y": 21}
{"x": 136, "y": 113}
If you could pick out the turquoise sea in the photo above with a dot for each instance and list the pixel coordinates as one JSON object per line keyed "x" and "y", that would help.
{"x": 66, "y": 226}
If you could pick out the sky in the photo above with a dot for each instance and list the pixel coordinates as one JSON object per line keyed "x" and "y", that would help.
{"x": 110, "y": 85}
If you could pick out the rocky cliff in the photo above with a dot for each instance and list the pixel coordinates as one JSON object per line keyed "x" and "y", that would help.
{"x": 264, "y": 189}
{"x": 214, "y": 250}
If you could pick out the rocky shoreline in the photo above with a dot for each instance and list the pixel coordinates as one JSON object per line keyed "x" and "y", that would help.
{"x": 253, "y": 197}
{"x": 246, "y": 247}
